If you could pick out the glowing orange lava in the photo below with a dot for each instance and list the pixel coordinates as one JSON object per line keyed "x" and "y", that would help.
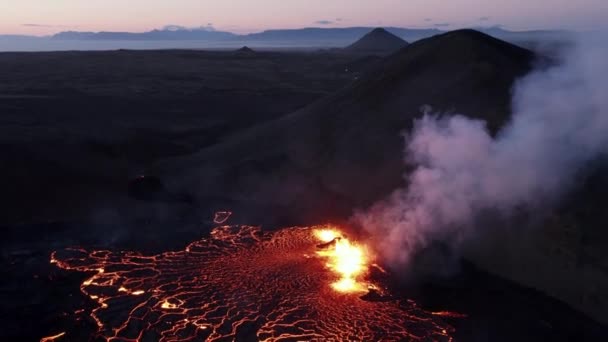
{"x": 244, "y": 284}
{"x": 350, "y": 261}
{"x": 52, "y": 338}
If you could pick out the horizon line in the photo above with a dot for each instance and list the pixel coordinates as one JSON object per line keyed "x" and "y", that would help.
{"x": 210, "y": 29}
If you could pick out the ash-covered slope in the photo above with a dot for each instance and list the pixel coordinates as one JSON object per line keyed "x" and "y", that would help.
{"x": 378, "y": 41}
{"x": 345, "y": 151}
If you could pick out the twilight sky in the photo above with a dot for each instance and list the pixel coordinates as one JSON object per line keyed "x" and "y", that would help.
{"x": 40, "y": 17}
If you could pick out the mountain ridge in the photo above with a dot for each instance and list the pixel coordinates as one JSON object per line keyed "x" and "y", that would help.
{"x": 377, "y": 41}
{"x": 346, "y": 34}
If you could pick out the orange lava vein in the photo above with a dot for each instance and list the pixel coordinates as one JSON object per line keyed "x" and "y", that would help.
{"x": 221, "y": 217}
{"x": 52, "y": 338}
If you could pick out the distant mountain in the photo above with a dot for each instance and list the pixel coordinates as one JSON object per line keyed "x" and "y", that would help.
{"x": 17, "y": 36}
{"x": 245, "y": 52}
{"x": 338, "y": 36}
{"x": 177, "y": 37}
{"x": 526, "y": 36}
{"x": 345, "y": 35}
{"x": 312, "y": 36}
{"x": 378, "y": 41}
{"x": 165, "y": 34}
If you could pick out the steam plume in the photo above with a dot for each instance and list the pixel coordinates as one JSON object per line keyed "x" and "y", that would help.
{"x": 559, "y": 123}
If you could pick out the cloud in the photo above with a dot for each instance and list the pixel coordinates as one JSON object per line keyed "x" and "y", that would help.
{"x": 428, "y": 20}
{"x": 208, "y": 27}
{"x": 174, "y": 28}
{"x": 442, "y": 25}
{"x": 339, "y": 19}
{"x": 484, "y": 18}
{"x": 42, "y": 25}
{"x": 324, "y": 22}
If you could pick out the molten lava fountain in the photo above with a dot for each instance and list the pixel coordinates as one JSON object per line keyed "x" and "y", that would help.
{"x": 295, "y": 284}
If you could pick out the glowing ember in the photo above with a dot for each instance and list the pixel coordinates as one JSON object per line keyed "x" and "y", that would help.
{"x": 348, "y": 260}
{"x": 243, "y": 284}
{"x": 52, "y": 338}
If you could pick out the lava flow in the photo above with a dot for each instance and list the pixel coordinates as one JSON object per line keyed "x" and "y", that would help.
{"x": 294, "y": 284}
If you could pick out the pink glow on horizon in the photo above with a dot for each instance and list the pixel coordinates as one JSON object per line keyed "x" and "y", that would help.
{"x": 42, "y": 17}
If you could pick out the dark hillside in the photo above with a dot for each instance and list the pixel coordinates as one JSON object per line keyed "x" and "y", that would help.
{"x": 345, "y": 150}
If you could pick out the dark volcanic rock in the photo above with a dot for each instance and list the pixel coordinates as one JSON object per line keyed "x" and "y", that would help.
{"x": 152, "y": 189}
{"x": 147, "y": 188}
{"x": 245, "y": 50}
{"x": 378, "y": 41}
{"x": 78, "y": 125}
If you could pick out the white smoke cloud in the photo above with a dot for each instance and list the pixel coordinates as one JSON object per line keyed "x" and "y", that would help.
{"x": 559, "y": 123}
